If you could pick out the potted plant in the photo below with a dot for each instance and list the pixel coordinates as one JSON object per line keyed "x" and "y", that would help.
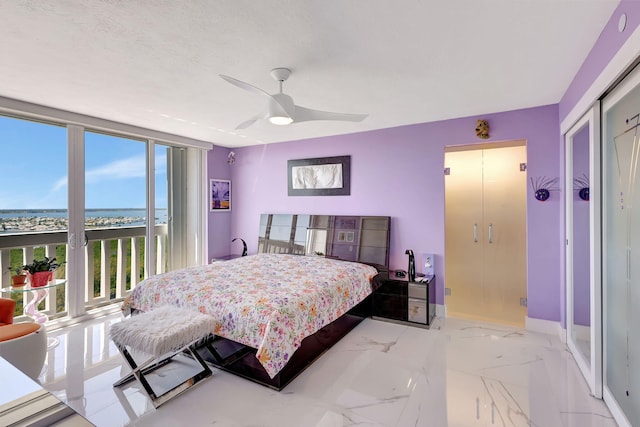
{"x": 18, "y": 278}
{"x": 40, "y": 272}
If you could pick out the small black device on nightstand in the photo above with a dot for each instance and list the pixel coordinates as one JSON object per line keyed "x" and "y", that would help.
{"x": 409, "y": 302}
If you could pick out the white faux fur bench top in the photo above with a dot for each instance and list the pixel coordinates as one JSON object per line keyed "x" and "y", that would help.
{"x": 162, "y": 330}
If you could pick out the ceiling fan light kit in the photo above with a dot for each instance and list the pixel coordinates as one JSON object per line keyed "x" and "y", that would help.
{"x": 281, "y": 110}
{"x": 280, "y": 120}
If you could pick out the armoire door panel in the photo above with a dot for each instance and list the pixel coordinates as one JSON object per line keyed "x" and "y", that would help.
{"x": 504, "y": 206}
{"x": 463, "y": 230}
{"x": 487, "y": 195}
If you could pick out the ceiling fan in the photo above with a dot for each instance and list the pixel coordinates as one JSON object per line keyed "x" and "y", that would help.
{"x": 281, "y": 110}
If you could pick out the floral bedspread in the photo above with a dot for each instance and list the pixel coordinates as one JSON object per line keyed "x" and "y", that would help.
{"x": 270, "y": 302}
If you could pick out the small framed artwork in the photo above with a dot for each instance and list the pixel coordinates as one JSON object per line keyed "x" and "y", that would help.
{"x": 219, "y": 195}
{"x": 325, "y": 176}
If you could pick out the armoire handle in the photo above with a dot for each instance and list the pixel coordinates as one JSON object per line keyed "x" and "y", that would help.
{"x": 475, "y": 233}
{"x": 490, "y": 233}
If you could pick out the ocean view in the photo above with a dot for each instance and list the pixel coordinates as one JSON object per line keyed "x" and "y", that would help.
{"x": 21, "y": 220}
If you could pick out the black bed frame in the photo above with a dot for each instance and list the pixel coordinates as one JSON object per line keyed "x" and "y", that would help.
{"x": 349, "y": 236}
{"x": 241, "y": 360}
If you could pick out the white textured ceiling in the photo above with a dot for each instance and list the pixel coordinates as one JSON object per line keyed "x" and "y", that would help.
{"x": 155, "y": 63}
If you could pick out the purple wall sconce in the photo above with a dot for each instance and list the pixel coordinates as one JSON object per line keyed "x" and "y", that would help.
{"x": 543, "y": 186}
{"x": 582, "y": 185}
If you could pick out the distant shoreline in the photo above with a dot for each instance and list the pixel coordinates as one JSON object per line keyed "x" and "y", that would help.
{"x": 14, "y": 221}
{"x": 43, "y": 223}
{"x": 19, "y": 211}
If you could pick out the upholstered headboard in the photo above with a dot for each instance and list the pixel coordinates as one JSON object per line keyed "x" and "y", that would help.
{"x": 349, "y": 237}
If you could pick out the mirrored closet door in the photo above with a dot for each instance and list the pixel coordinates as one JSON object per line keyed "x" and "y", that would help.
{"x": 583, "y": 283}
{"x": 621, "y": 248}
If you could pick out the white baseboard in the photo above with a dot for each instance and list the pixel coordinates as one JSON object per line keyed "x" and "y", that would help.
{"x": 441, "y": 310}
{"x": 546, "y": 327}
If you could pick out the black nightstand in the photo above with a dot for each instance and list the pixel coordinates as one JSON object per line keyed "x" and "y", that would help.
{"x": 401, "y": 301}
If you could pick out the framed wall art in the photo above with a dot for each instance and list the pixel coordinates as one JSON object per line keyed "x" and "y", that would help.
{"x": 219, "y": 195}
{"x": 324, "y": 176}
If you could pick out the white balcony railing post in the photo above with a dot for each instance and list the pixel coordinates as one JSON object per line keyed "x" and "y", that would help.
{"x": 160, "y": 253}
{"x": 50, "y": 300}
{"x": 135, "y": 261}
{"x": 105, "y": 268}
{"x": 121, "y": 268}
{"x": 89, "y": 273}
{"x": 5, "y": 263}
{"x": 27, "y": 257}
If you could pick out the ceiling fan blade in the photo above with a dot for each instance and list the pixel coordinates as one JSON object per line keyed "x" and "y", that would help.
{"x": 253, "y": 89}
{"x": 303, "y": 114}
{"x": 245, "y": 86}
{"x": 249, "y": 122}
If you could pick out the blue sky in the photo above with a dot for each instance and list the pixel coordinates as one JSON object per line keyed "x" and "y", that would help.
{"x": 33, "y": 169}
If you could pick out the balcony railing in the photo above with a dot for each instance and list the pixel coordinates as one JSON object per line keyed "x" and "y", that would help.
{"x": 279, "y": 247}
{"x": 114, "y": 264}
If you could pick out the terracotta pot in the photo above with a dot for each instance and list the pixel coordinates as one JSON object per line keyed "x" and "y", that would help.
{"x": 19, "y": 280}
{"x": 40, "y": 278}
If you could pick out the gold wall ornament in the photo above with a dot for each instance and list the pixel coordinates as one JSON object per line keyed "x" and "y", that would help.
{"x": 482, "y": 129}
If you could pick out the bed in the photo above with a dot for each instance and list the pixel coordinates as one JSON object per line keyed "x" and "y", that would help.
{"x": 277, "y": 311}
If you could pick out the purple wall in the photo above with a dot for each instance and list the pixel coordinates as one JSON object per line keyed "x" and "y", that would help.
{"x": 399, "y": 172}
{"x": 603, "y": 51}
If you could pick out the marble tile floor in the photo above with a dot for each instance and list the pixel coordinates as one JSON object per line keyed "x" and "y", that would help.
{"x": 459, "y": 373}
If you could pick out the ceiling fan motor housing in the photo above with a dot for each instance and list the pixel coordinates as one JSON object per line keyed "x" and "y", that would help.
{"x": 280, "y": 74}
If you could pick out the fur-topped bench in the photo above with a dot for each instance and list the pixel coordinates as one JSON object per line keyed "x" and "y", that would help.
{"x": 162, "y": 333}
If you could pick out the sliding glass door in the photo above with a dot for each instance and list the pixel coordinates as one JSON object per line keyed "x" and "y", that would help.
{"x": 113, "y": 208}
{"x": 115, "y": 214}
{"x": 118, "y": 215}
{"x": 33, "y": 203}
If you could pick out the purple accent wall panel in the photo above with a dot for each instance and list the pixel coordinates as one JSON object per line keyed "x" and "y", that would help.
{"x": 398, "y": 172}
{"x": 603, "y": 51}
